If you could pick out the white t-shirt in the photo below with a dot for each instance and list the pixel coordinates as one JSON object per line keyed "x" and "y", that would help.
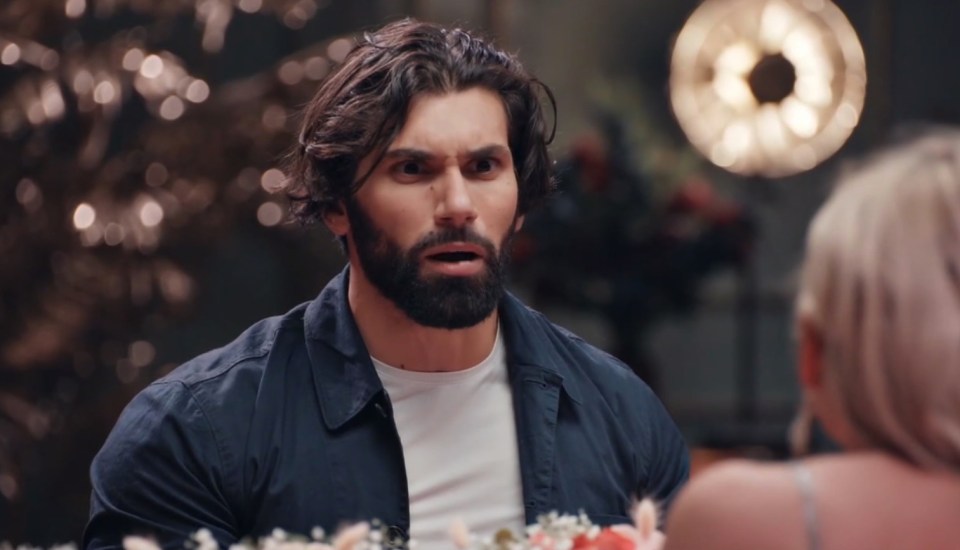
{"x": 459, "y": 442}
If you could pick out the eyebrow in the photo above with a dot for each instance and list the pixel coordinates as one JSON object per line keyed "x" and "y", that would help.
{"x": 423, "y": 156}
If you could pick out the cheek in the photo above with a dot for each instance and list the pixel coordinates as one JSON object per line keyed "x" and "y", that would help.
{"x": 405, "y": 224}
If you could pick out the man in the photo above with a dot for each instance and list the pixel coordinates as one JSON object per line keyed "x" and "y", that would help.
{"x": 413, "y": 390}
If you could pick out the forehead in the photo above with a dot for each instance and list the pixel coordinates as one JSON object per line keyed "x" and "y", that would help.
{"x": 466, "y": 118}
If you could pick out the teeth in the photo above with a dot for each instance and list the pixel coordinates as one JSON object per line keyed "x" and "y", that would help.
{"x": 454, "y": 256}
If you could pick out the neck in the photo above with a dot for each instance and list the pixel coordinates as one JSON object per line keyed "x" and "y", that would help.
{"x": 395, "y": 339}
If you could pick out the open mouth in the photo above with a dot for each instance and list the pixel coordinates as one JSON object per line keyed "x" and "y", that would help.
{"x": 454, "y": 257}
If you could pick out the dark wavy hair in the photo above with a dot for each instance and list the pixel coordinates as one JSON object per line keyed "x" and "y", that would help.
{"x": 360, "y": 108}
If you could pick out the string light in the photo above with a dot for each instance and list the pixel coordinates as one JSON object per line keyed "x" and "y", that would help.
{"x": 105, "y": 92}
{"x": 316, "y": 68}
{"x": 125, "y": 204}
{"x": 10, "y": 54}
{"x": 291, "y": 73}
{"x": 133, "y": 59}
{"x": 29, "y": 195}
{"x": 114, "y": 234}
{"x": 151, "y": 214}
{"x": 84, "y": 216}
{"x": 171, "y": 108}
{"x": 156, "y": 174}
{"x": 198, "y": 91}
{"x": 273, "y": 180}
{"x": 269, "y": 214}
{"x": 250, "y": 6}
{"x": 274, "y": 117}
{"x": 75, "y": 8}
{"x": 152, "y": 66}
{"x": 339, "y": 48}
{"x": 141, "y": 353}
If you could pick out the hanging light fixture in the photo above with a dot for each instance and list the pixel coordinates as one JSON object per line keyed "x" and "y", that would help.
{"x": 767, "y": 87}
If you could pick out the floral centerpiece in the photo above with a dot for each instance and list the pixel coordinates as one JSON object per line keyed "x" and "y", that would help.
{"x": 551, "y": 532}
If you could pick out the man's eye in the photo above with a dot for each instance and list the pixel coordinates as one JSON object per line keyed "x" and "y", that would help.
{"x": 410, "y": 168}
{"x": 484, "y": 165}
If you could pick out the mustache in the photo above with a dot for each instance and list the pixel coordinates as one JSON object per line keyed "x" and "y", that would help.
{"x": 453, "y": 235}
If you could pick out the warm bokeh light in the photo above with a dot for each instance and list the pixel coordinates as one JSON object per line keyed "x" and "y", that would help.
{"x": 274, "y": 117}
{"x": 105, "y": 92}
{"x": 290, "y": 73}
{"x": 84, "y": 216}
{"x": 52, "y": 100}
{"x": 133, "y": 59}
{"x": 156, "y": 174}
{"x": 172, "y": 108}
{"x": 151, "y": 213}
{"x": 767, "y": 87}
{"x": 49, "y": 60}
{"x": 141, "y": 353}
{"x": 75, "y": 8}
{"x": 83, "y": 82}
{"x": 9, "y": 487}
{"x": 273, "y": 180}
{"x": 269, "y": 214}
{"x": 88, "y": 88}
{"x": 198, "y": 91}
{"x": 339, "y": 48}
{"x": 316, "y": 68}
{"x": 114, "y": 234}
{"x": 250, "y": 6}
{"x": 10, "y": 54}
{"x": 29, "y": 195}
{"x": 152, "y": 66}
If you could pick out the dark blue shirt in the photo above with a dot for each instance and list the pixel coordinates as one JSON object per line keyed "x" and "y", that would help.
{"x": 289, "y": 426}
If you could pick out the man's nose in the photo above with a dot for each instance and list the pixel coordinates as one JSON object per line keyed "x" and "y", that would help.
{"x": 454, "y": 203}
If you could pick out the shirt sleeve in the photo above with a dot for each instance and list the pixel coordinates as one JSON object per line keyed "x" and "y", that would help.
{"x": 160, "y": 474}
{"x": 670, "y": 458}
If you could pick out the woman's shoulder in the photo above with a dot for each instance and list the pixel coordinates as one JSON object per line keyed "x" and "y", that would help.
{"x": 860, "y": 500}
{"x": 737, "y": 504}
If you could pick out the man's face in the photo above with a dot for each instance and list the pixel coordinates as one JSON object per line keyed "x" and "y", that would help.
{"x": 431, "y": 226}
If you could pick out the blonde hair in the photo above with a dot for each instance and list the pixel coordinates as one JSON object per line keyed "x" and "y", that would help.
{"x": 881, "y": 284}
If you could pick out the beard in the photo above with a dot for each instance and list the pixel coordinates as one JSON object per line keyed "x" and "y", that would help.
{"x": 438, "y": 301}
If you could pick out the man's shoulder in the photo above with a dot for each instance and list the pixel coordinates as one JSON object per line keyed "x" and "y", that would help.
{"x": 213, "y": 394}
{"x": 574, "y": 357}
{"x": 599, "y": 365}
{"x": 245, "y": 355}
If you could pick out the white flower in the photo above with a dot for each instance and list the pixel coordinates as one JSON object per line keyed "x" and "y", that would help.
{"x": 205, "y": 541}
{"x": 139, "y": 543}
{"x": 349, "y": 538}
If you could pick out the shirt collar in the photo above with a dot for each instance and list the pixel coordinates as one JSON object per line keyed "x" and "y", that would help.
{"x": 534, "y": 347}
{"x": 344, "y": 378}
{"x": 346, "y": 381}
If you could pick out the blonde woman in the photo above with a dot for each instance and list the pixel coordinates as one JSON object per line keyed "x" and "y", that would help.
{"x": 878, "y": 319}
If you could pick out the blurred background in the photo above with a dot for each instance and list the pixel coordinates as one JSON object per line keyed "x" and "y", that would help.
{"x": 142, "y": 219}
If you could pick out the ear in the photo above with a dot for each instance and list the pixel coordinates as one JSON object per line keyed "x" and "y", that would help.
{"x": 810, "y": 355}
{"x": 337, "y": 221}
{"x": 518, "y": 224}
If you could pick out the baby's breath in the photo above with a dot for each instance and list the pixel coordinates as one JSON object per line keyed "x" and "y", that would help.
{"x": 553, "y": 531}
